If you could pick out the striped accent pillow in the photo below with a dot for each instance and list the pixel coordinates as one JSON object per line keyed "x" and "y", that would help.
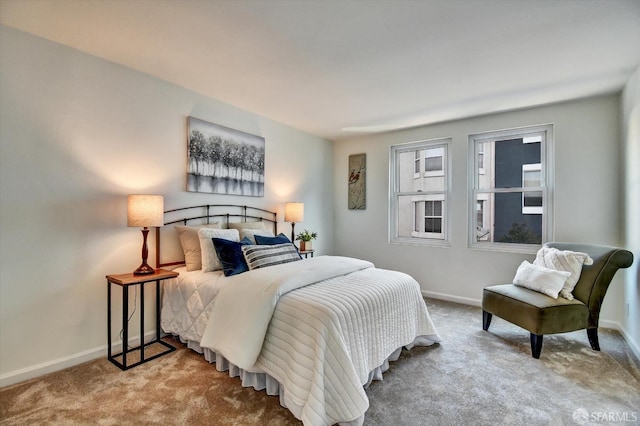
{"x": 269, "y": 255}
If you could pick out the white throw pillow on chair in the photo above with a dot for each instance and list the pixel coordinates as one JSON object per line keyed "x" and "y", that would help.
{"x": 564, "y": 260}
{"x": 540, "y": 279}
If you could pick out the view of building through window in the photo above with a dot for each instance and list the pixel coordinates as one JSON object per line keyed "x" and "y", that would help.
{"x": 419, "y": 191}
{"x": 510, "y": 187}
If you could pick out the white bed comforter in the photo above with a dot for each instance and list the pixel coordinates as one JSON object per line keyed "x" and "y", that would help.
{"x": 244, "y": 308}
{"x": 324, "y": 339}
{"x": 187, "y": 302}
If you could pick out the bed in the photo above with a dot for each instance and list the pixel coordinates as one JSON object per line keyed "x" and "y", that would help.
{"x": 314, "y": 332}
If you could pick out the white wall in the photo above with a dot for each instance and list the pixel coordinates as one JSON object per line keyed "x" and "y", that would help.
{"x": 77, "y": 134}
{"x": 631, "y": 154}
{"x": 587, "y": 198}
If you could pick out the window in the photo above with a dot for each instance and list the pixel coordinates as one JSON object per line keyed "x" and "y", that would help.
{"x": 482, "y": 225}
{"x": 510, "y": 188}
{"x": 419, "y": 192}
{"x": 433, "y": 162}
{"x": 480, "y": 212}
{"x": 433, "y": 217}
{"x": 531, "y": 201}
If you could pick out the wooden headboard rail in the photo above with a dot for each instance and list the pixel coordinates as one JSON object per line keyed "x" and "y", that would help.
{"x": 203, "y": 214}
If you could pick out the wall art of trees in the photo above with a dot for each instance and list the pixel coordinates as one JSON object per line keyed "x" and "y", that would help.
{"x": 224, "y": 161}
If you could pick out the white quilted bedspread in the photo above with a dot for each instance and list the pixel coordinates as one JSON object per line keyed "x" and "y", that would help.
{"x": 324, "y": 339}
{"x": 187, "y": 302}
{"x": 244, "y": 307}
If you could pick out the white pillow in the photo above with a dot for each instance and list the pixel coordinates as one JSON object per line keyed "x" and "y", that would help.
{"x": 269, "y": 255}
{"x": 247, "y": 225}
{"x": 210, "y": 261}
{"x": 251, "y": 233}
{"x": 564, "y": 260}
{"x": 190, "y": 243}
{"x": 540, "y": 279}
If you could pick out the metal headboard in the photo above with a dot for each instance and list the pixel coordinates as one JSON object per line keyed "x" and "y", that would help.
{"x": 207, "y": 213}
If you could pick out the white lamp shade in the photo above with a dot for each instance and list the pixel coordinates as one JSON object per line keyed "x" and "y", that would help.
{"x": 145, "y": 210}
{"x": 294, "y": 212}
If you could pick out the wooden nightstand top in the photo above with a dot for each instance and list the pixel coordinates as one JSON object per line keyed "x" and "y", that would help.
{"x": 130, "y": 278}
{"x": 306, "y": 253}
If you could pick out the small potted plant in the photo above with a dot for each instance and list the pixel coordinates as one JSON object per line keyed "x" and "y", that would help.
{"x": 305, "y": 239}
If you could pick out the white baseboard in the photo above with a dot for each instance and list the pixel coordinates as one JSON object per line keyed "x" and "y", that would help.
{"x": 52, "y": 366}
{"x": 609, "y": 324}
{"x": 450, "y": 298}
{"x": 635, "y": 348}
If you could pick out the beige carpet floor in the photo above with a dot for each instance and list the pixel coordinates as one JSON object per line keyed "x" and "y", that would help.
{"x": 473, "y": 378}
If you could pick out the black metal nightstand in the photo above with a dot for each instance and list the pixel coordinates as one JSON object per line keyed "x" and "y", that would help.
{"x": 125, "y": 281}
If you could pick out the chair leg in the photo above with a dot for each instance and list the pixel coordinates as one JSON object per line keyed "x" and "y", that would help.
{"x": 536, "y": 345}
{"x": 592, "y": 333}
{"x": 486, "y": 320}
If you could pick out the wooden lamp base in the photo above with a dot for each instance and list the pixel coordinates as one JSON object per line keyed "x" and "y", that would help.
{"x": 144, "y": 267}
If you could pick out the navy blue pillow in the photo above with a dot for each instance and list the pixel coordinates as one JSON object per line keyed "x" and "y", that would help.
{"x": 230, "y": 255}
{"x": 271, "y": 241}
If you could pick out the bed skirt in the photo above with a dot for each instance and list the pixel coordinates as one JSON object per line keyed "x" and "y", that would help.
{"x": 263, "y": 381}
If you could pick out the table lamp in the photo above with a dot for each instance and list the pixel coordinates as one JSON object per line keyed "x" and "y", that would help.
{"x": 293, "y": 212}
{"x": 145, "y": 211}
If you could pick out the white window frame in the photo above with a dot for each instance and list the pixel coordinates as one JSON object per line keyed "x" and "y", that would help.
{"x": 417, "y": 237}
{"x": 529, "y": 134}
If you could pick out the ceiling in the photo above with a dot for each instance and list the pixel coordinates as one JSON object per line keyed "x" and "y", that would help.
{"x": 336, "y": 68}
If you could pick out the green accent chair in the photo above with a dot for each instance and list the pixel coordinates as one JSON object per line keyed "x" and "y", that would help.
{"x": 541, "y": 314}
